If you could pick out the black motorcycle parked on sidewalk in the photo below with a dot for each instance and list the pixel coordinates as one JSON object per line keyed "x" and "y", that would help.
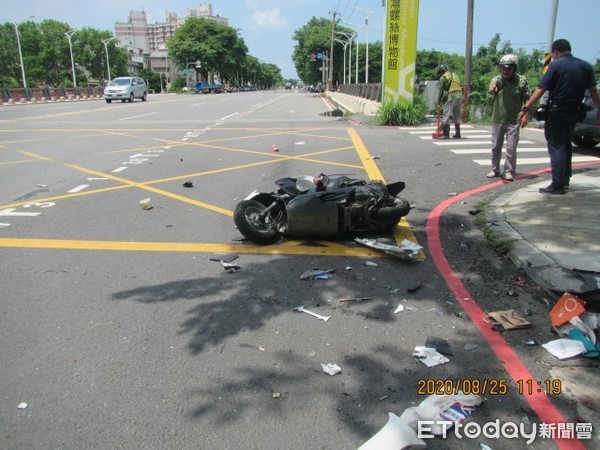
{"x": 321, "y": 207}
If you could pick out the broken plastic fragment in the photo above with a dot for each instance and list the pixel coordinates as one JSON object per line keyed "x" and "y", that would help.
{"x": 22, "y": 405}
{"x": 331, "y": 369}
{"x": 317, "y": 274}
{"x": 399, "y": 308}
{"x": 407, "y": 250}
{"x": 430, "y": 356}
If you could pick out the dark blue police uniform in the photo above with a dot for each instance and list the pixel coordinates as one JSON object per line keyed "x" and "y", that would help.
{"x": 566, "y": 81}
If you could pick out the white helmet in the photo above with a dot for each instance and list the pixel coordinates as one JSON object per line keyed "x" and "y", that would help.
{"x": 509, "y": 60}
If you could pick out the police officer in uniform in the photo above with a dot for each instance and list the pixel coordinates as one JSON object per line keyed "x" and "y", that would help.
{"x": 566, "y": 80}
{"x": 450, "y": 90}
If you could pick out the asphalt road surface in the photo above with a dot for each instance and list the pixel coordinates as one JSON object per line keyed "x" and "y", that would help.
{"x": 119, "y": 332}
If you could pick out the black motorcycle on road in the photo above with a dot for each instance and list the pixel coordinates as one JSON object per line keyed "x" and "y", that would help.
{"x": 321, "y": 207}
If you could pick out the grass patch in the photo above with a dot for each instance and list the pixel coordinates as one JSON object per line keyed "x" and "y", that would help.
{"x": 498, "y": 245}
{"x": 402, "y": 113}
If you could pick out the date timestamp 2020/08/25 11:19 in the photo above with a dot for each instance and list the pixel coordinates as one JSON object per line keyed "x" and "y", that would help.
{"x": 492, "y": 386}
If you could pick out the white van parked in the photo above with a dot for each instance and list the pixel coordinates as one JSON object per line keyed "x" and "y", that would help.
{"x": 125, "y": 88}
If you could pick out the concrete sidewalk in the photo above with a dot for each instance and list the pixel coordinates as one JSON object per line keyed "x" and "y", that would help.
{"x": 556, "y": 238}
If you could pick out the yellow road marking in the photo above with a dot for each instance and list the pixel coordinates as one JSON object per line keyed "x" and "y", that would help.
{"x": 294, "y": 247}
{"x": 290, "y": 248}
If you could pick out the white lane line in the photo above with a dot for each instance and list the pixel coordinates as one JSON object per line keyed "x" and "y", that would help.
{"x": 229, "y": 116}
{"x": 3, "y": 225}
{"x": 11, "y": 212}
{"x": 120, "y": 169}
{"x": 140, "y": 115}
{"x": 474, "y": 151}
{"x": 93, "y": 178}
{"x": 81, "y": 187}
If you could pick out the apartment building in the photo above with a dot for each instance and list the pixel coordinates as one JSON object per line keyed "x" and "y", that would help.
{"x": 140, "y": 37}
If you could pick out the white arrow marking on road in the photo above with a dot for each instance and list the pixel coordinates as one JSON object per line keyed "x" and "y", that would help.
{"x": 10, "y": 212}
{"x": 81, "y": 187}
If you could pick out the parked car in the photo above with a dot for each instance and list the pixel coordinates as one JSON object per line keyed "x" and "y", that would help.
{"x": 126, "y": 89}
{"x": 587, "y": 132}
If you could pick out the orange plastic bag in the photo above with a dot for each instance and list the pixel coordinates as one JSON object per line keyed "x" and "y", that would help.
{"x": 567, "y": 307}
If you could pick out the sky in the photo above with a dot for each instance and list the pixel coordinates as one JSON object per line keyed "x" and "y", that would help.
{"x": 267, "y": 26}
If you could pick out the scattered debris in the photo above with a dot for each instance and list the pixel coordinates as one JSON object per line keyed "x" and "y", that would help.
{"x": 318, "y": 316}
{"x": 452, "y": 194}
{"x": 443, "y": 410}
{"x": 274, "y": 148}
{"x": 356, "y": 299}
{"x": 567, "y": 307}
{"x": 22, "y": 405}
{"x": 469, "y": 347}
{"x": 441, "y": 345}
{"x": 42, "y": 186}
{"x": 407, "y": 251}
{"x": 512, "y": 293}
{"x": 399, "y": 309}
{"x": 414, "y": 286}
{"x": 371, "y": 264}
{"x": 146, "y": 203}
{"x": 520, "y": 282}
{"x": 474, "y": 212}
{"x": 224, "y": 257}
{"x": 509, "y": 319}
{"x": 393, "y": 436}
{"x": 565, "y": 348}
{"x": 531, "y": 342}
{"x": 429, "y": 356}
{"x": 317, "y": 274}
{"x": 276, "y": 395}
{"x": 331, "y": 369}
{"x": 375, "y": 157}
{"x": 188, "y": 184}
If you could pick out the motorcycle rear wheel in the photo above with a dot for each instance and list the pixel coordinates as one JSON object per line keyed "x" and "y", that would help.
{"x": 389, "y": 216}
{"x": 248, "y": 220}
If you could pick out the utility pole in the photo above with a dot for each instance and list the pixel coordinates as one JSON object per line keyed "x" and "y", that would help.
{"x": 330, "y": 75}
{"x": 468, "y": 60}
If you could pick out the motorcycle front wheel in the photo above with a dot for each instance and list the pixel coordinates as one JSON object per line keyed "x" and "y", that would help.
{"x": 389, "y": 216}
{"x": 253, "y": 225}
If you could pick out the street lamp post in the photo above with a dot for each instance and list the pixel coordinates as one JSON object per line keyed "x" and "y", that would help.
{"x": 16, "y": 25}
{"x": 68, "y": 34}
{"x": 105, "y": 42}
{"x": 357, "y": 29}
{"x": 367, "y": 14}
{"x": 345, "y": 44}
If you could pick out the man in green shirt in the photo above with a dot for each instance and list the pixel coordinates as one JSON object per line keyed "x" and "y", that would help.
{"x": 510, "y": 91}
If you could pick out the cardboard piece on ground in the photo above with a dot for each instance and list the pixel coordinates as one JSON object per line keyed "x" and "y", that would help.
{"x": 567, "y": 307}
{"x": 509, "y": 319}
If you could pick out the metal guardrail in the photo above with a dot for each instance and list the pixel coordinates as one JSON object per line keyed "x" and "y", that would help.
{"x": 47, "y": 93}
{"x": 369, "y": 91}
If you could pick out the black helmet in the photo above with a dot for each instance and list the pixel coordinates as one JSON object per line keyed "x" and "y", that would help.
{"x": 441, "y": 70}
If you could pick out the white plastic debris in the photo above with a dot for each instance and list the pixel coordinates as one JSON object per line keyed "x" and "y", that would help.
{"x": 399, "y": 308}
{"x": 407, "y": 250}
{"x": 395, "y": 435}
{"x": 331, "y": 369}
{"x": 429, "y": 356}
{"x": 565, "y": 348}
{"x": 443, "y": 410}
{"x": 22, "y": 405}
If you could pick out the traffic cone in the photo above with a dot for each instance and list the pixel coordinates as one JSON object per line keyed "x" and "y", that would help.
{"x": 275, "y": 148}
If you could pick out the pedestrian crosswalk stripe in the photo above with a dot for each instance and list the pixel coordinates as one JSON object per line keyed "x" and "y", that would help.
{"x": 546, "y": 160}
{"x": 475, "y": 151}
{"x": 432, "y": 128}
{"x": 467, "y": 132}
{"x": 469, "y": 142}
